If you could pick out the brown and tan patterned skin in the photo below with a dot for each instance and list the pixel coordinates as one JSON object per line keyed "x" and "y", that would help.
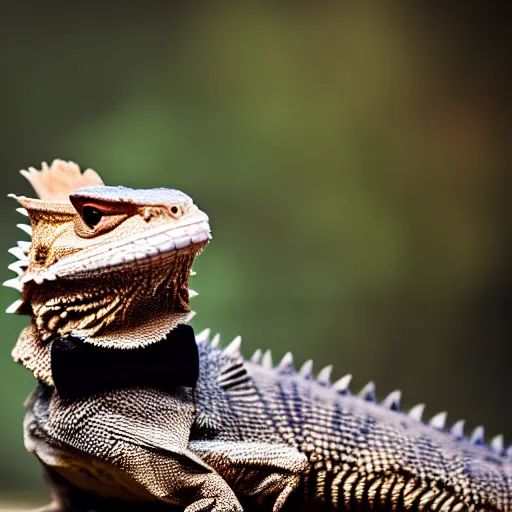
{"x": 101, "y": 256}
{"x": 249, "y": 433}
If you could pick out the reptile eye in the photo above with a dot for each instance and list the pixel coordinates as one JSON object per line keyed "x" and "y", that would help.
{"x": 175, "y": 210}
{"x": 91, "y": 216}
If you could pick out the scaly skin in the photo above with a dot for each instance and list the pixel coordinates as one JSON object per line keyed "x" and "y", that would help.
{"x": 279, "y": 438}
{"x": 109, "y": 267}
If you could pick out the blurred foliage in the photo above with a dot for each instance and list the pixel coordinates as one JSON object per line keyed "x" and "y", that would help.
{"x": 351, "y": 157}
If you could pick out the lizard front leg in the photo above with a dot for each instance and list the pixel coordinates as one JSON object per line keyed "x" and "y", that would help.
{"x": 178, "y": 477}
{"x": 256, "y": 469}
{"x": 143, "y": 433}
{"x": 156, "y": 475}
{"x": 67, "y": 497}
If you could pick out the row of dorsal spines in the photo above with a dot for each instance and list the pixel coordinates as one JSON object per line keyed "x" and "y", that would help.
{"x": 341, "y": 386}
{"x": 21, "y": 252}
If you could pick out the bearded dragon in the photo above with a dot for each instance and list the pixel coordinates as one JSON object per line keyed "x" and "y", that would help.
{"x": 106, "y": 278}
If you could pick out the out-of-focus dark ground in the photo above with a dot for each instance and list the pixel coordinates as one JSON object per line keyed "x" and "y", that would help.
{"x": 354, "y": 160}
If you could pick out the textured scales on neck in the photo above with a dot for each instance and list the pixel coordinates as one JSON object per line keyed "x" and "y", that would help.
{"x": 107, "y": 264}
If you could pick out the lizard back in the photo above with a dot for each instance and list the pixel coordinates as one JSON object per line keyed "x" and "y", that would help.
{"x": 361, "y": 454}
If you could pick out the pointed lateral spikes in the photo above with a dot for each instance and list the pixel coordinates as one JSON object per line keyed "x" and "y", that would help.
{"x": 203, "y": 336}
{"x": 306, "y": 370}
{"x": 13, "y": 283}
{"x": 497, "y": 445}
{"x": 416, "y": 412}
{"x": 18, "y": 266}
{"x": 233, "y": 349}
{"x": 24, "y": 246}
{"x": 256, "y": 357}
{"x": 50, "y": 276}
{"x": 285, "y": 366}
{"x": 477, "y": 436}
{"x": 26, "y": 228}
{"x": 215, "y": 341}
{"x": 23, "y": 211}
{"x": 13, "y": 308}
{"x": 368, "y": 392}
{"x": 18, "y": 253}
{"x": 439, "y": 420}
{"x": 266, "y": 360}
{"x": 324, "y": 376}
{"x": 457, "y": 429}
{"x": 341, "y": 386}
{"x": 392, "y": 401}
{"x": 192, "y": 294}
{"x": 188, "y": 318}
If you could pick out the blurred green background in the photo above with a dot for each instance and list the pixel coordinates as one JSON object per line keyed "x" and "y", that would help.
{"x": 353, "y": 158}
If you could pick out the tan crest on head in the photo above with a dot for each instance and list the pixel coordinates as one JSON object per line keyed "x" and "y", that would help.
{"x": 57, "y": 181}
{"x": 119, "y": 282}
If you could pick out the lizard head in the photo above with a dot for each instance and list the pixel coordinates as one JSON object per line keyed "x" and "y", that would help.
{"x": 108, "y": 264}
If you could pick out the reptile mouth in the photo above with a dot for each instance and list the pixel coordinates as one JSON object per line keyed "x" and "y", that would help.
{"x": 189, "y": 238}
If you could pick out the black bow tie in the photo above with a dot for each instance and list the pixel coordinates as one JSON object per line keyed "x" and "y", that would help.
{"x": 80, "y": 369}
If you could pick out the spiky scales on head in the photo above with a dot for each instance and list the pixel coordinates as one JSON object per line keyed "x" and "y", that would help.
{"x": 105, "y": 261}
